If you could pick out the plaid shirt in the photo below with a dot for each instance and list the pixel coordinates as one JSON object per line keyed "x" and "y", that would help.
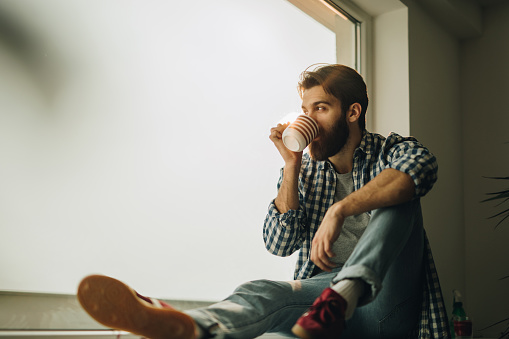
{"x": 294, "y": 230}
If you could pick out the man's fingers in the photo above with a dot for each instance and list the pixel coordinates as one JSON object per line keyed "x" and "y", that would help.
{"x": 321, "y": 259}
{"x": 275, "y": 134}
{"x": 324, "y": 266}
{"x": 279, "y": 128}
{"x": 327, "y": 263}
{"x": 328, "y": 251}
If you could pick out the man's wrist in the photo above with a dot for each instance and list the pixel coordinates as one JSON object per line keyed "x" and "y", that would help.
{"x": 339, "y": 209}
{"x": 293, "y": 166}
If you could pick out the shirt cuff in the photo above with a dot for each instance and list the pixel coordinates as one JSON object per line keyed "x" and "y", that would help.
{"x": 287, "y": 219}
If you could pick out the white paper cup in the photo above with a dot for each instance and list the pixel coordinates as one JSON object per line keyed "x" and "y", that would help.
{"x": 299, "y": 134}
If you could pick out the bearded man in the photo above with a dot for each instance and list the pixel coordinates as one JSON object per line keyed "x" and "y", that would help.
{"x": 351, "y": 207}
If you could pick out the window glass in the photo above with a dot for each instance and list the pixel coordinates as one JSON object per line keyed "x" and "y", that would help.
{"x": 348, "y": 34}
{"x": 134, "y": 140}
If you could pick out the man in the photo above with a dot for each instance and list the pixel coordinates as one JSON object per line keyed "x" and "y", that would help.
{"x": 351, "y": 207}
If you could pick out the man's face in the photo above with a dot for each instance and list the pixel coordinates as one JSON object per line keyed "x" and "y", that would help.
{"x": 325, "y": 109}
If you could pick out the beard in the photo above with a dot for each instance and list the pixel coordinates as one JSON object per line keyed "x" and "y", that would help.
{"x": 330, "y": 142}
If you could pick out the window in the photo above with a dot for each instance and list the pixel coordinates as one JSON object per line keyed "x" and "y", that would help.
{"x": 347, "y": 29}
{"x": 347, "y": 22}
{"x": 351, "y": 26}
{"x": 152, "y": 163}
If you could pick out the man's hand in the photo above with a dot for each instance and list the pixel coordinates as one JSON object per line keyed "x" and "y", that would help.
{"x": 327, "y": 234}
{"x": 276, "y": 136}
{"x": 391, "y": 187}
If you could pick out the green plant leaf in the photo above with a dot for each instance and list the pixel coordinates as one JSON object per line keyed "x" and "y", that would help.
{"x": 499, "y": 214}
{"x": 500, "y": 178}
{"x": 499, "y": 195}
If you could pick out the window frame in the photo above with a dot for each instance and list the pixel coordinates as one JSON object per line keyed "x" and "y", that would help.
{"x": 326, "y": 12}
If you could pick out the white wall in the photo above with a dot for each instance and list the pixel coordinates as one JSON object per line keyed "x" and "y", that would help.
{"x": 457, "y": 71}
{"x": 485, "y": 123}
{"x": 457, "y": 91}
{"x": 390, "y": 95}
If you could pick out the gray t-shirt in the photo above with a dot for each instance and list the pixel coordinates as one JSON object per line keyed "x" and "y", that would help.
{"x": 353, "y": 227}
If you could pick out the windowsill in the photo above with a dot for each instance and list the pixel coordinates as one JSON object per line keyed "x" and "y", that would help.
{"x": 99, "y": 334}
{"x": 38, "y": 315}
{"x": 21, "y": 312}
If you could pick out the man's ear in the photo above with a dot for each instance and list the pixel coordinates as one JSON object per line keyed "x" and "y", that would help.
{"x": 354, "y": 112}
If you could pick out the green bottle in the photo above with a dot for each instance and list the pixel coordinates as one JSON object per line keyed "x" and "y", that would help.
{"x": 458, "y": 313}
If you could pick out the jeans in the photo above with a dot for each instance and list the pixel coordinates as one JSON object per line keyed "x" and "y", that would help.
{"x": 388, "y": 258}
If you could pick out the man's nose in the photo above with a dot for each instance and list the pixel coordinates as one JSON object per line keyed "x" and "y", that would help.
{"x": 312, "y": 115}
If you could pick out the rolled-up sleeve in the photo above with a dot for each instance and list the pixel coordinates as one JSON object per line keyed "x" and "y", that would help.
{"x": 409, "y": 156}
{"x": 282, "y": 232}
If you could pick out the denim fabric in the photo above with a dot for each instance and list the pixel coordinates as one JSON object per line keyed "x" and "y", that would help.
{"x": 388, "y": 258}
{"x": 395, "y": 297}
{"x": 262, "y": 306}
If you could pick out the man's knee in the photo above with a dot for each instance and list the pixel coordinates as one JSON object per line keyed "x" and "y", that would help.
{"x": 263, "y": 286}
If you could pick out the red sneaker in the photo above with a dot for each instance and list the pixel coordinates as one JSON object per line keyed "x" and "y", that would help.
{"x": 325, "y": 318}
{"x": 115, "y": 305}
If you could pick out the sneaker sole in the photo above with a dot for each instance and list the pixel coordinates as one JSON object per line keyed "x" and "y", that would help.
{"x": 300, "y": 332}
{"x": 115, "y": 305}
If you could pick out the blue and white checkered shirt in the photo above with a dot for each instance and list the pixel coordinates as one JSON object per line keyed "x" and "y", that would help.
{"x": 294, "y": 230}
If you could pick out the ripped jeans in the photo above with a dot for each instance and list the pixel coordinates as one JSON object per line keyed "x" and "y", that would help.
{"x": 388, "y": 257}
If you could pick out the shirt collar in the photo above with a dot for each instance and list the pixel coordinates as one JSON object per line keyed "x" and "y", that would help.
{"x": 323, "y": 164}
{"x": 366, "y": 144}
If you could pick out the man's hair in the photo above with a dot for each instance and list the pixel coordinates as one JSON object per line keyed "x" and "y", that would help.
{"x": 342, "y": 82}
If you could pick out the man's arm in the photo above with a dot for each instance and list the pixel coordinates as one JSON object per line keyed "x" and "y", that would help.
{"x": 288, "y": 194}
{"x": 391, "y": 187}
{"x": 281, "y": 229}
